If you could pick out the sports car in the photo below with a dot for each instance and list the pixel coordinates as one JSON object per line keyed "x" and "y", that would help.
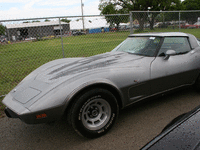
{"x": 90, "y": 91}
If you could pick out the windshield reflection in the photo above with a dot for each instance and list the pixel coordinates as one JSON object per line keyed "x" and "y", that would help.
{"x": 145, "y": 46}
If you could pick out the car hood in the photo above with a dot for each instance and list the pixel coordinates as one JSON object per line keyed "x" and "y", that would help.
{"x": 67, "y": 68}
{"x": 182, "y": 135}
{"x": 57, "y": 72}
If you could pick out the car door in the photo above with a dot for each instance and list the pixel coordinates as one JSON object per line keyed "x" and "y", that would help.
{"x": 177, "y": 70}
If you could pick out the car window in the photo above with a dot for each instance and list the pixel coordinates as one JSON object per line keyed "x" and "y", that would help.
{"x": 145, "y": 46}
{"x": 178, "y": 44}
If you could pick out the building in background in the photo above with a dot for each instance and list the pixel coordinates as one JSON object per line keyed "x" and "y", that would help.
{"x": 22, "y": 31}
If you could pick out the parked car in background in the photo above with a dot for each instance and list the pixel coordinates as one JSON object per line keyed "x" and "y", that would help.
{"x": 90, "y": 91}
{"x": 113, "y": 29}
{"x": 3, "y": 39}
{"x": 156, "y": 24}
{"x": 147, "y": 25}
{"x": 136, "y": 26}
{"x": 189, "y": 26}
{"x": 75, "y": 33}
{"x": 182, "y": 133}
{"x": 161, "y": 25}
{"x": 30, "y": 39}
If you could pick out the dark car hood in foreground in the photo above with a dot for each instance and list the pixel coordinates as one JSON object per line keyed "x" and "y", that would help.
{"x": 184, "y": 135}
{"x": 70, "y": 67}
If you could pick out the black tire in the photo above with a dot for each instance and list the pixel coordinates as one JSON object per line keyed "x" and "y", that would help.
{"x": 197, "y": 84}
{"x": 94, "y": 113}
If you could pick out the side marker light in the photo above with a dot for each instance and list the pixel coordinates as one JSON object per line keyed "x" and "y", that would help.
{"x": 40, "y": 116}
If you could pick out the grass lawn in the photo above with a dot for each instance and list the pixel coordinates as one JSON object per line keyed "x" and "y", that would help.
{"x": 19, "y": 59}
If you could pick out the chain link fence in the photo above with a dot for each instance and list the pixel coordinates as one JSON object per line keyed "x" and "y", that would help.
{"x": 29, "y": 43}
{"x": 162, "y": 21}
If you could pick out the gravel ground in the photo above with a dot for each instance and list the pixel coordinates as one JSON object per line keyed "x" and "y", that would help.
{"x": 135, "y": 126}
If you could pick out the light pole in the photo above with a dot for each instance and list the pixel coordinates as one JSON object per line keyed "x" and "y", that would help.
{"x": 82, "y": 14}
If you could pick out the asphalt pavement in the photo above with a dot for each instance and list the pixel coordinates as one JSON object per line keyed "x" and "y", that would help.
{"x": 136, "y": 126}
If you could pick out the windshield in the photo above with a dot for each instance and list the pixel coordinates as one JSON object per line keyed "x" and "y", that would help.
{"x": 145, "y": 46}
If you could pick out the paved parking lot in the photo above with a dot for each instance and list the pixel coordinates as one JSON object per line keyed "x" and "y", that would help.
{"x": 135, "y": 126}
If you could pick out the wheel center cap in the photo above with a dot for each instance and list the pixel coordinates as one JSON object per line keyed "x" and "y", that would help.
{"x": 95, "y": 113}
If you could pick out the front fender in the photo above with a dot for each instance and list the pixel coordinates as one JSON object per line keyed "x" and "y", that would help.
{"x": 96, "y": 83}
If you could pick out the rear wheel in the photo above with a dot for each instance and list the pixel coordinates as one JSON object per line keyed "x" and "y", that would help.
{"x": 94, "y": 113}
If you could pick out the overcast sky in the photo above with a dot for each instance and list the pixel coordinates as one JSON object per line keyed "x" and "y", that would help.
{"x": 23, "y": 9}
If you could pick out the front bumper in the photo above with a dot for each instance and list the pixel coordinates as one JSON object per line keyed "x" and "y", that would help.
{"x": 15, "y": 109}
{"x": 9, "y": 113}
{"x": 31, "y": 118}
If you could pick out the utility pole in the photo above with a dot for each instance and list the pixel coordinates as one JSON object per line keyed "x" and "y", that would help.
{"x": 82, "y": 15}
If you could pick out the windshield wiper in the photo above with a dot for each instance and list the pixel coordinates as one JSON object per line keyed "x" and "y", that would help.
{"x": 182, "y": 53}
{"x": 137, "y": 54}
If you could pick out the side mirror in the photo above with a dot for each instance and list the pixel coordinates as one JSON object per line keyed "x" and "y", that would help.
{"x": 169, "y": 53}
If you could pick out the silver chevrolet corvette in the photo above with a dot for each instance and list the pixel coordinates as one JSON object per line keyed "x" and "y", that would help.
{"x": 90, "y": 91}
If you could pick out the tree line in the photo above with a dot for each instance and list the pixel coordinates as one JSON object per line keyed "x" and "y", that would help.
{"x": 125, "y": 6}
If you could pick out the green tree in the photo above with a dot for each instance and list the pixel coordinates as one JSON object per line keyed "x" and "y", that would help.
{"x": 108, "y": 9}
{"x": 65, "y": 20}
{"x": 26, "y": 22}
{"x": 191, "y": 17}
{"x": 153, "y": 5}
{"x": 191, "y": 4}
{"x": 47, "y": 20}
{"x": 144, "y": 5}
{"x": 2, "y": 29}
{"x": 35, "y": 21}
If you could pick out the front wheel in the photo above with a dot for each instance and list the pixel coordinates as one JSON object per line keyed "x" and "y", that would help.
{"x": 94, "y": 113}
{"x": 197, "y": 84}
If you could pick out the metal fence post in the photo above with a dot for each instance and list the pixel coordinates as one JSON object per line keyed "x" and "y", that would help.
{"x": 131, "y": 22}
{"x": 61, "y": 39}
{"x": 179, "y": 21}
{"x": 8, "y": 35}
{"x": 163, "y": 17}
